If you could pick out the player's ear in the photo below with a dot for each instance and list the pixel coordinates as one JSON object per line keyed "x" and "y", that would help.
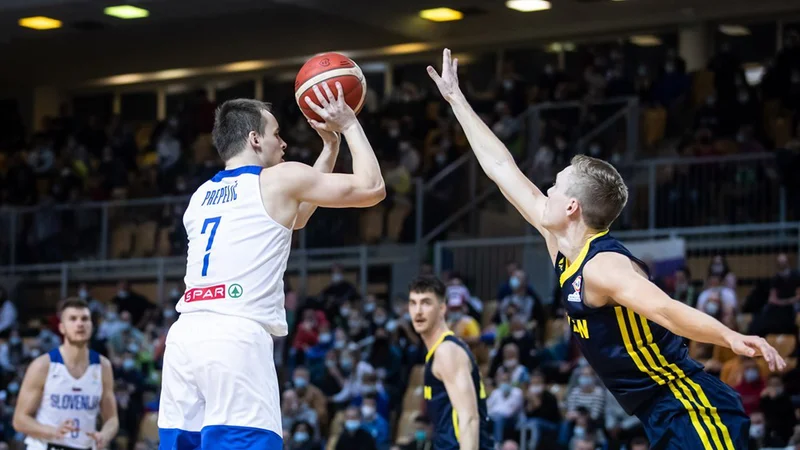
{"x": 254, "y": 140}
{"x": 62, "y": 329}
{"x": 573, "y": 207}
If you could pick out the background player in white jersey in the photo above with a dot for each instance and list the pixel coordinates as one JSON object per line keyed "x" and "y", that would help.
{"x": 64, "y": 390}
{"x": 219, "y": 385}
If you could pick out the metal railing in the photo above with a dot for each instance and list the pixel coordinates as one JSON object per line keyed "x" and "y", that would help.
{"x": 483, "y": 261}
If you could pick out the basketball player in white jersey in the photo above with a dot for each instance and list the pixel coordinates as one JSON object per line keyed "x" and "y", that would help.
{"x": 64, "y": 390}
{"x": 219, "y": 385}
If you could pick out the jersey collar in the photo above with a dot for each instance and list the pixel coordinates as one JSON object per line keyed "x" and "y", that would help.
{"x": 572, "y": 267}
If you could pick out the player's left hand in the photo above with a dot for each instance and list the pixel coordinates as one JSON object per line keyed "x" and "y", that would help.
{"x": 99, "y": 439}
{"x": 753, "y": 346}
{"x": 329, "y": 138}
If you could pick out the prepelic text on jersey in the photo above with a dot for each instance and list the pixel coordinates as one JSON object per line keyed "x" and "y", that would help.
{"x": 224, "y": 194}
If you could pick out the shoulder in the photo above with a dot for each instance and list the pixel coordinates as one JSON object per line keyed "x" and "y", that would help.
{"x": 607, "y": 268}
{"x": 286, "y": 176}
{"x": 105, "y": 363}
{"x": 451, "y": 356}
{"x": 38, "y": 369}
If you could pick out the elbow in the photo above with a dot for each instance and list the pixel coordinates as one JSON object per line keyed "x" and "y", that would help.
{"x": 16, "y": 423}
{"x": 375, "y": 195}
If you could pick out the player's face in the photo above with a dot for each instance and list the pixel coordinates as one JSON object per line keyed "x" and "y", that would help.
{"x": 76, "y": 325}
{"x": 559, "y": 205}
{"x": 426, "y": 311}
{"x": 269, "y": 145}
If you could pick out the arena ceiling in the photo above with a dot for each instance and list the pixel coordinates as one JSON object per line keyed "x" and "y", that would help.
{"x": 193, "y": 33}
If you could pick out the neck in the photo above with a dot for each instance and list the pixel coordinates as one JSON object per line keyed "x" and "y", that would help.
{"x": 245, "y": 158}
{"x": 572, "y": 239}
{"x": 430, "y": 337}
{"x": 75, "y": 353}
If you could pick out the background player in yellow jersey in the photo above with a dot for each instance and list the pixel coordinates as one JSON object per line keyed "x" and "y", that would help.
{"x": 627, "y": 328}
{"x": 454, "y": 394}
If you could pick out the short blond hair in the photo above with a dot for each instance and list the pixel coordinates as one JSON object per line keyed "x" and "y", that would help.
{"x": 600, "y": 190}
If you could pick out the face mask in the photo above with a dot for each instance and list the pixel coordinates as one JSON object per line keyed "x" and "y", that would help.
{"x": 369, "y": 389}
{"x": 300, "y": 383}
{"x": 111, "y": 316}
{"x": 352, "y": 425}
{"x": 35, "y": 353}
{"x": 345, "y": 311}
{"x": 391, "y": 326}
{"x": 441, "y": 158}
{"x": 536, "y": 389}
{"x": 169, "y": 313}
{"x": 133, "y": 348}
{"x": 751, "y": 375}
{"x": 407, "y": 317}
{"x": 83, "y": 293}
{"x": 13, "y": 387}
{"x": 510, "y": 363}
{"x": 394, "y": 132}
{"x": 346, "y": 364}
{"x": 514, "y": 283}
{"x": 300, "y": 437}
{"x": 712, "y": 309}
{"x": 128, "y": 364}
{"x": 122, "y": 293}
{"x": 379, "y": 321}
{"x": 369, "y": 307}
{"x": 508, "y": 84}
{"x": 3, "y": 396}
{"x": 519, "y": 334}
{"x": 579, "y": 432}
{"x": 325, "y": 338}
{"x": 585, "y": 381}
{"x": 367, "y": 411}
{"x": 338, "y": 345}
{"x": 15, "y": 340}
{"x": 175, "y": 293}
{"x": 329, "y": 363}
{"x": 757, "y": 431}
{"x": 337, "y": 277}
{"x": 505, "y": 388}
{"x": 420, "y": 435}
{"x": 456, "y": 316}
{"x": 354, "y": 325}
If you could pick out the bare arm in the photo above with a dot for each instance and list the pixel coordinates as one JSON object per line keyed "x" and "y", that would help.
{"x": 30, "y": 396}
{"x": 612, "y": 277}
{"x": 108, "y": 408}
{"x": 492, "y": 154}
{"x": 325, "y": 163}
{"x": 363, "y": 188}
{"x": 453, "y": 367}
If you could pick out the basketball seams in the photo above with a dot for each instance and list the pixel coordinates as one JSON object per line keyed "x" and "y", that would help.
{"x": 352, "y": 71}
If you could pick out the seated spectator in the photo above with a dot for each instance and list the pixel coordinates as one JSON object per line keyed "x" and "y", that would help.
{"x": 422, "y": 435}
{"x": 585, "y": 430}
{"x": 504, "y": 405}
{"x": 727, "y": 296}
{"x": 778, "y": 316}
{"x": 712, "y": 305}
{"x": 310, "y": 394}
{"x": 541, "y": 410}
{"x": 354, "y": 436}
{"x": 511, "y": 363}
{"x": 458, "y": 291}
{"x": 373, "y": 423}
{"x": 757, "y": 430}
{"x": 8, "y": 313}
{"x": 519, "y": 336}
{"x": 372, "y": 387}
{"x": 682, "y": 289}
{"x": 621, "y": 426}
{"x": 293, "y": 410}
{"x": 750, "y": 386}
{"x": 302, "y": 437}
{"x": 778, "y": 411}
{"x": 127, "y": 338}
{"x": 587, "y": 395}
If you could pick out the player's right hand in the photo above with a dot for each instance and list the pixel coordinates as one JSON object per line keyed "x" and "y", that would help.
{"x": 753, "y": 346}
{"x": 65, "y": 427}
{"x": 335, "y": 112}
{"x": 448, "y": 81}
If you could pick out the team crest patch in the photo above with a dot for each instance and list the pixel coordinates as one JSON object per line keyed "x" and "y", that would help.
{"x": 575, "y": 296}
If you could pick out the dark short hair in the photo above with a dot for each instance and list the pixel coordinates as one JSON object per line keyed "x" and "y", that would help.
{"x": 233, "y": 122}
{"x": 71, "y": 302}
{"x": 430, "y": 284}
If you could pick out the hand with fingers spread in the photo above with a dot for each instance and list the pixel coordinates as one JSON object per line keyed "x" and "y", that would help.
{"x": 448, "y": 81}
{"x": 753, "y": 346}
{"x": 336, "y": 113}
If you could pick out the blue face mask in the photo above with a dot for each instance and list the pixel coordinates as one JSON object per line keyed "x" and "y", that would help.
{"x": 301, "y": 436}
{"x": 505, "y": 387}
{"x": 420, "y": 435}
{"x": 128, "y": 364}
{"x": 514, "y": 283}
{"x": 300, "y": 382}
{"x": 585, "y": 380}
{"x": 347, "y": 364}
{"x": 352, "y": 425}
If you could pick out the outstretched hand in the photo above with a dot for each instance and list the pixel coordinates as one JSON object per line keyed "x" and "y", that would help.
{"x": 447, "y": 82}
{"x": 753, "y": 346}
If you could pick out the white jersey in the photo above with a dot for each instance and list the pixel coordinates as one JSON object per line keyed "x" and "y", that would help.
{"x": 237, "y": 253}
{"x": 66, "y": 398}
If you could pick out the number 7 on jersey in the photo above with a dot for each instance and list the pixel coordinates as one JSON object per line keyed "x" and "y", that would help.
{"x": 214, "y": 221}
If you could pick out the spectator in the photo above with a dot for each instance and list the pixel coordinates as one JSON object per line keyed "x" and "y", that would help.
{"x": 750, "y": 386}
{"x": 530, "y": 306}
{"x": 127, "y": 338}
{"x": 778, "y": 411}
{"x": 584, "y": 430}
{"x": 310, "y": 394}
{"x": 511, "y": 363}
{"x": 504, "y": 405}
{"x": 373, "y": 423}
{"x": 757, "y": 430}
{"x": 293, "y": 410}
{"x": 621, "y": 426}
{"x": 302, "y": 437}
{"x": 339, "y": 290}
{"x": 422, "y": 435}
{"x": 354, "y": 436}
{"x": 541, "y": 412}
{"x": 586, "y": 395}
{"x": 137, "y": 305}
{"x": 8, "y": 313}
{"x": 307, "y": 334}
{"x": 683, "y": 290}
{"x": 778, "y": 316}
{"x": 727, "y": 296}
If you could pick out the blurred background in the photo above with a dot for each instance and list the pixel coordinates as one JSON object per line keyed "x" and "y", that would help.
{"x": 106, "y": 117}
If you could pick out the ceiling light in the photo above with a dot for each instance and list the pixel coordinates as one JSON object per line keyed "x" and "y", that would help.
{"x": 441, "y": 14}
{"x": 646, "y": 40}
{"x": 126, "y": 12}
{"x": 734, "y": 30}
{"x": 39, "y": 23}
{"x": 528, "y": 5}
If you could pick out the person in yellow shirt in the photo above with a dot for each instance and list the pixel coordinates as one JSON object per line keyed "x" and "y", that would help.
{"x": 463, "y": 325}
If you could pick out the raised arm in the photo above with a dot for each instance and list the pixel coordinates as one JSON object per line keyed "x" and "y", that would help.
{"x": 324, "y": 164}
{"x": 108, "y": 408}
{"x": 613, "y": 277}
{"x": 453, "y": 367}
{"x": 30, "y": 396}
{"x": 363, "y": 188}
{"x": 492, "y": 155}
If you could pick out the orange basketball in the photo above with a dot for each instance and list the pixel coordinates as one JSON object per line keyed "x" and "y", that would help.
{"x": 330, "y": 67}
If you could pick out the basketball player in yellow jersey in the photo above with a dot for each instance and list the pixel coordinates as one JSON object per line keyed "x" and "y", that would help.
{"x": 627, "y": 328}
{"x": 454, "y": 393}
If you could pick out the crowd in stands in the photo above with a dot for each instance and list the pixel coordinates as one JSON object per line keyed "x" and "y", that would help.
{"x": 351, "y": 376}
